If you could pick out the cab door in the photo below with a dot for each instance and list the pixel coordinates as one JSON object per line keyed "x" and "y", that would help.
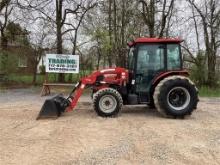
{"x": 150, "y": 62}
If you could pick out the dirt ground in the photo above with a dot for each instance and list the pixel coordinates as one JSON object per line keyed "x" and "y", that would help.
{"x": 137, "y": 136}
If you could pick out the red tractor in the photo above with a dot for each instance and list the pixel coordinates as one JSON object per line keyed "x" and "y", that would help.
{"x": 154, "y": 76}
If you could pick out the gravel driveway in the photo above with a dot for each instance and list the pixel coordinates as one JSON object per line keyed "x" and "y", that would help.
{"x": 137, "y": 136}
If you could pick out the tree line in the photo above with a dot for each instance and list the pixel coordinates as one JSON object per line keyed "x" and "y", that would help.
{"x": 99, "y": 30}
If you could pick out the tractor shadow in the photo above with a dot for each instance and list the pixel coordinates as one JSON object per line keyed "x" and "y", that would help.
{"x": 85, "y": 109}
{"x": 140, "y": 110}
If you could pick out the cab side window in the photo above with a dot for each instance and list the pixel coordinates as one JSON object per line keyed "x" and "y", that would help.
{"x": 131, "y": 59}
{"x": 173, "y": 57}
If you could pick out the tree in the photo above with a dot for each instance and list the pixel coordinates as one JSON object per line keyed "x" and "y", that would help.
{"x": 119, "y": 22}
{"x": 198, "y": 71}
{"x": 3, "y": 4}
{"x": 6, "y": 8}
{"x": 41, "y": 43}
{"x": 209, "y": 14}
{"x": 153, "y": 9}
{"x": 15, "y": 33}
{"x": 79, "y": 17}
{"x": 123, "y": 22}
{"x": 59, "y": 17}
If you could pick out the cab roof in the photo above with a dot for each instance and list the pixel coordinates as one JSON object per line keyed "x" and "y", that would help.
{"x": 154, "y": 40}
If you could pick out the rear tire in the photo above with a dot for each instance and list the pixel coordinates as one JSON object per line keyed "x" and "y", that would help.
{"x": 107, "y": 102}
{"x": 176, "y": 96}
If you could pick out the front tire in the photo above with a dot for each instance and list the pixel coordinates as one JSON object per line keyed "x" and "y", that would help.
{"x": 107, "y": 102}
{"x": 176, "y": 96}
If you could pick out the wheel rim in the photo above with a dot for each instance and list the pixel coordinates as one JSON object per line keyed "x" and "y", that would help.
{"x": 107, "y": 103}
{"x": 178, "y": 98}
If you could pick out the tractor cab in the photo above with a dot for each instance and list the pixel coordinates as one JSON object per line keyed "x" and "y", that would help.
{"x": 149, "y": 58}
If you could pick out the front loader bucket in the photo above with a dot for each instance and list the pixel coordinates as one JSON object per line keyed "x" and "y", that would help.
{"x": 52, "y": 108}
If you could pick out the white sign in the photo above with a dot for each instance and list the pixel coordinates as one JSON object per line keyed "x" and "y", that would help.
{"x": 60, "y": 63}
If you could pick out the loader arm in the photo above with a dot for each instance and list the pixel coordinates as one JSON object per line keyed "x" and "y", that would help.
{"x": 118, "y": 76}
{"x": 54, "y": 107}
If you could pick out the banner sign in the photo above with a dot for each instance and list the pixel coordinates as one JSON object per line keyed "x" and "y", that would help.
{"x": 61, "y": 63}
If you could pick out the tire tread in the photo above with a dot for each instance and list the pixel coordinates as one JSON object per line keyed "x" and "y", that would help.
{"x": 158, "y": 90}
{"x": 100, "y": 93}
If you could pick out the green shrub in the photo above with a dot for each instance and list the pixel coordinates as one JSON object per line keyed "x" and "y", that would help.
{"x": 198, "y": 72}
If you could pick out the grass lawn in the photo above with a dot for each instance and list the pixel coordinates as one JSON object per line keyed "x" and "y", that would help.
{"x": 27, "y": 79}
{"x": 205, "y": 91}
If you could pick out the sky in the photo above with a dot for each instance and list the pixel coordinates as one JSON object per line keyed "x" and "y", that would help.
{"x": 182, "y": 27}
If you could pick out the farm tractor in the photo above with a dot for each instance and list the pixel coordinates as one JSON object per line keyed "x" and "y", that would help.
{"x": 154, "y": 76}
